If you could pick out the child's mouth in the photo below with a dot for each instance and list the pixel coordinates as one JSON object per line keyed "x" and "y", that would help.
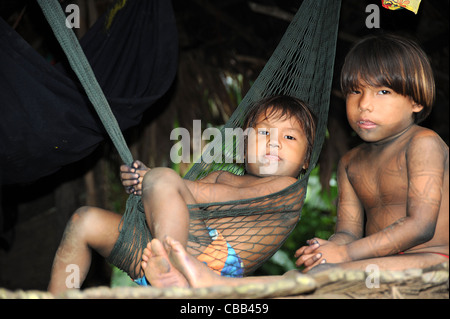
{"x": 365, "y": 124}
{"x": 271, "y": 158}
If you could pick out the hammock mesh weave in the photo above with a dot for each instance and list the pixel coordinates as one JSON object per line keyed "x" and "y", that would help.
{"x": 301, "y": 66}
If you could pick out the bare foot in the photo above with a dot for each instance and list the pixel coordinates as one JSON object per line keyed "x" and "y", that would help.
{"x": 158, "y": 269}
{"x": 196, "y": 272}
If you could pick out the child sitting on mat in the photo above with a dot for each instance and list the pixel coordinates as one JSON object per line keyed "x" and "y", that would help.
{"x": 277, "y": 162}
{"x": 393, "y": 188}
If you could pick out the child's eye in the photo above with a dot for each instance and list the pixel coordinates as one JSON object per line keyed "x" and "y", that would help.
{"x": 263, "y": 132}
{"x": 355, "y": 92}
{"x": 384, "y": 92}
{"x": 289, "y": 137}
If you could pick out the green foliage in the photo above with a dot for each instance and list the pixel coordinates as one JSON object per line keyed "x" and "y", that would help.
{"x": 121, "y": 279}
{"x": 234, "y": 84}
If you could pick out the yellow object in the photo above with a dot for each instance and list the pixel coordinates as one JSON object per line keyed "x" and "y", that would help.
{"x": 411, "y": 5}
{"x": 112, "y": 13}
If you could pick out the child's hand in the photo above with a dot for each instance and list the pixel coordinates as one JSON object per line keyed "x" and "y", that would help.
{"x": 308, "y": 255}
{"x": 321, "y": 251}
{"x": 132, "y": 177}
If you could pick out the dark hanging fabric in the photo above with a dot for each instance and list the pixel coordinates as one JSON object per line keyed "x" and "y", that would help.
{"x": 46, "y": 119}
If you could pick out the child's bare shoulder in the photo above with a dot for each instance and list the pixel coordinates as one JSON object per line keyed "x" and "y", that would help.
{"x": 423, "y": 132}
{"x": 426, "y": 140}
{"x": 348, "y": 157}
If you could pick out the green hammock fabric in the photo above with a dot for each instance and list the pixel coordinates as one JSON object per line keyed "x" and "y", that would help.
{"x": 301, "y": 66}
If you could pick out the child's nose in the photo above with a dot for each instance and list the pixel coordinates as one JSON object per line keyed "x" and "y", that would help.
{"x": 273, "y": 139}
{"x": 365, "y": 103}
{"x": 274, "y": 143}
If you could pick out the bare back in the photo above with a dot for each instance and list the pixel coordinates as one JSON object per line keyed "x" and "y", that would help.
{"x": 402, "y": 182}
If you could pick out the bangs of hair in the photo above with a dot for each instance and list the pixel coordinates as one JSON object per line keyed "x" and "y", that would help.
{"x": 278, "y": 112}
{"x": 284, "y": 107}
{"x": 393, "y": 62}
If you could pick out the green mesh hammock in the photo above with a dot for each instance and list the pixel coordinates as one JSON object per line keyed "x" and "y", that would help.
{"x": 302, "y": 67}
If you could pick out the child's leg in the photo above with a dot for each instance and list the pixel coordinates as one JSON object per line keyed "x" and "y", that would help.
{"x": 395, "y": 262}
{"x": 195, "y": 272}
{"x": 165, "y": 197}
{"x": 158, "y": 269}
{"x": 89, "y": 228}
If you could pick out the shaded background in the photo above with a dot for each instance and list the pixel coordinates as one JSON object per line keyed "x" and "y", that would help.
{"x": 223, "y": 45}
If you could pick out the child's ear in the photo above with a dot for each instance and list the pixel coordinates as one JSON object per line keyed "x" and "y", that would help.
{"x": 303, "y": 170}
{"x": 416, "y": 107}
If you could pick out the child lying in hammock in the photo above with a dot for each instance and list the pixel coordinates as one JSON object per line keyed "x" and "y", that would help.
{"x": 278, "y": 161}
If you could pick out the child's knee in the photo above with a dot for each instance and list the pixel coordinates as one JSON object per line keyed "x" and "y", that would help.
{"x": 79, "y": 215}
{"x": 84, "y": 218}
{"x": 160, "y": 178}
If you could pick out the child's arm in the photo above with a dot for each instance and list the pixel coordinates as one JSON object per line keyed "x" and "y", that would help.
{"x": 349, "y": 223}
{"x": 132, "y": 177}
{"x": 235, "y": 189}
{"x": 350, "y": 211}
{"x": 425, "y": 165}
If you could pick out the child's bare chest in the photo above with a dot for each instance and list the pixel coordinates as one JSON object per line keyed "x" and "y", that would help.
{"x": 380, "y": 179}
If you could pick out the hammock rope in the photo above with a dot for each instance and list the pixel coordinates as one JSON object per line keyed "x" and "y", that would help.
{"x": 302, "y": 67}
{"x": 80, "y": 65}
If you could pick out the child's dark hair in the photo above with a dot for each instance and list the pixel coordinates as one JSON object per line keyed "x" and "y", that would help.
{"x": 394, "y": 62}
{"x": 286, "y": 107}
